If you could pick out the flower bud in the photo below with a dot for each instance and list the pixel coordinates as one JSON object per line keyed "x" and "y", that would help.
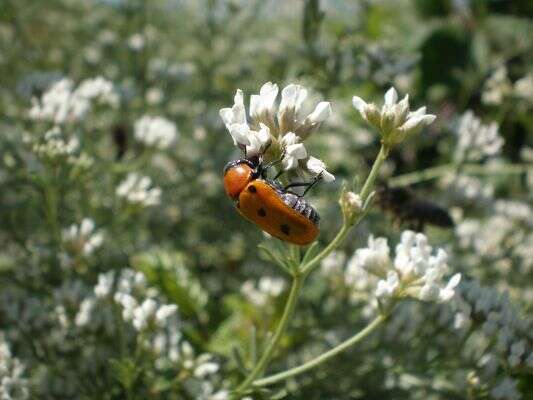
{"x": 351, "y": 205}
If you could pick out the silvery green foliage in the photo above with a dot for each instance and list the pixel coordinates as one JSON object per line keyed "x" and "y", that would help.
{"x": 125, "y": 272}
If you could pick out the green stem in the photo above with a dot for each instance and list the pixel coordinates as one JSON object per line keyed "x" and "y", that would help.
{"x": 50, "y": 197}
{"x": 315, "y": 362}
{"x": 336, "y": 242}
{"x": 365, "y": 192}
{"x": 301, "y": 274}
{"x": 372, "y": 176}
{"x": 474, "y": 169}
{"x": 267, "y": 355}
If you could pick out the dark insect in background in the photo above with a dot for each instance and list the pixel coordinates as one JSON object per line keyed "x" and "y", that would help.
{"x": 408, "y": 209}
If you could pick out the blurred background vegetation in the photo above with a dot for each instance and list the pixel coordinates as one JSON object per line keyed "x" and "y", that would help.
{"x": 183, "y": 60}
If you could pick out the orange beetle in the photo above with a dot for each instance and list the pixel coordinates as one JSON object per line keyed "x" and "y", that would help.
{"x": 277, "y": 211}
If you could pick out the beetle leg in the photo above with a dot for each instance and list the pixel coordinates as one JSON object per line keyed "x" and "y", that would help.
{"x": 307, "y": 185}
{"x": 274, "y": 162}
{"x": 313, "y": 183}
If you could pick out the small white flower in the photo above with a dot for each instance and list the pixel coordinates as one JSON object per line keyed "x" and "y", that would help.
{"x": 448, "y": 292}
{"x": 164, "y": 312}
{"x": 292, "y": 98}
{"x": 393, "y": 121}
{"x": 262, "y": 106}
{"x": 157, "y": 132}
{"x": 61, "y": 103}
{"x": 84, "y": 314}
{"x": 294, "y": 151}
{"x": 415, "y": 271}
{"x": 375, "y": 258}
{"x": 83, "y": 239}
{"x": 282, "y": 127}
{"x": 476, "y": 140}
{"x": 137, "y": 190}
{"x": 143, "y": 313}
{"x": 136, "y": 42}
{"x": 104, "y": 285}
{"x": 204, "y": 369}
{"x": 321, "y": 112}
{"x": 317, "y": 167}
{"x": 258, "y": 140}
{"x": 497, "y": 87}
{"x": 388, "y": 287}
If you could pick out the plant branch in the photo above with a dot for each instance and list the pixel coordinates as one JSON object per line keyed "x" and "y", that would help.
{"x": 315, "y": 362}
{"x": 267, "y": 355}
{"x": 473, "y": 169}
{"x": 299, "y": 276}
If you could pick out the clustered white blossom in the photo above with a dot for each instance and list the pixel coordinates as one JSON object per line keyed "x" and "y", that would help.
{"x": 13, "y": 384}
{"x": 142, "y": 314}
{"x": 136, "y": 42}
{"x": 394, "y": 121}
{"x": 267, "y": 288}
{"x": 282, "y": 128}
{"x": 83, "y": 238}
{"x": 497, "y": 87}
{"x": 54, "y": 147}
{"x": 468, "y": 187}
{"x": 476, "y": 140}
{"x": 523, "y": 88}
{"x": 157, "y": 132}
{"x": 142, "y": 306}
{"x": 414, "y": 272}
{"x": 137, "y": 189}
{"x": 63, "y": 103}
{"x": 505, "y": 233}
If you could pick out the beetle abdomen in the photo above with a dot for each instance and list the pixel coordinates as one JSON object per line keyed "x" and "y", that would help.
{"x": 300, "y": 205}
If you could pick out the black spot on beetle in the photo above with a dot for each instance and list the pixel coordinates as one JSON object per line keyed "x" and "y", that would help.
{"x": 261, "y": 212}
{"x": 252, "y": 189}
{"x": 285, "y": 229}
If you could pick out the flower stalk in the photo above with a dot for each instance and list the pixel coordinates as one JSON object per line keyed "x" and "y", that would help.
{"x": 325, "y": 357}
{"x": 297, "y": 282}
{"x": 442, "y": 170}
{"x": 298, "y": 277}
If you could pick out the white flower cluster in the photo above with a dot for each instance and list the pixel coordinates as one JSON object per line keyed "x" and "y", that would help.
{"x": 160, "y": 327}
{"x": 83, "y": 238}
{"x": 54, "y": 146}
{"x": 501, "y": 326}
{"x": 476, "y": 140}
{"x": 414, "y": 272}
{"x": 497, "y": 87}
{"x": 130, "y": 285}
{"x": 283, "y": 128}
{"x": 506, "y": 232}
{"x": 394, "y": 121}
{"x": 136, "y": 42}
{"x": 267, "y": 288}
{"x": 13, "y": 385}
{"x": 523, "y": 88}
{"x": 156, "y": 132}
{"x": 63, "y": 103}
{"x": 468, "y": 188}
{"x": 137, "y": 189}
